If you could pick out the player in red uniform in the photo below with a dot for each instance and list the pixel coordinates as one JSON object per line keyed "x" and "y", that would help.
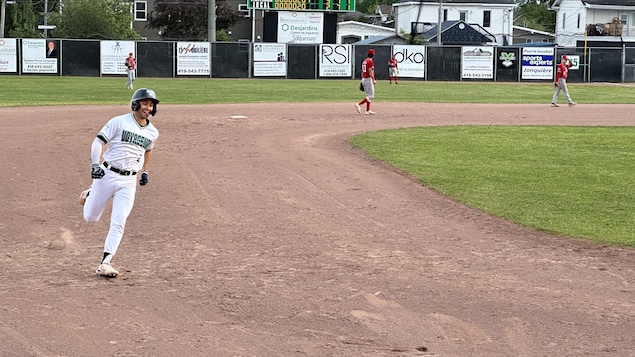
{"x": 368, "y": 81}
{"x": 393, "y": 71}
{"x": 561, "y": 81}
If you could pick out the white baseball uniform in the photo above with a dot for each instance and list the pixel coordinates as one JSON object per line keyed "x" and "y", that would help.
{"x": 127, "y": 143}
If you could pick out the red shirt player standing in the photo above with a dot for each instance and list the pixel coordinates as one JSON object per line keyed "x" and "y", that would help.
{"x": 368, "y": 81}
{"x": 562, "y": 72}
{"x": 393, "y": 71}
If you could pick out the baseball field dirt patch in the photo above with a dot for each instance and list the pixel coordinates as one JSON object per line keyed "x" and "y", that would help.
{"x": 264, "y": 232}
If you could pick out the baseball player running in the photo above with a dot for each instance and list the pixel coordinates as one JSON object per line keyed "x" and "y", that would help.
{"x": 128, "y": 141}
{"x": 368, "y": 81}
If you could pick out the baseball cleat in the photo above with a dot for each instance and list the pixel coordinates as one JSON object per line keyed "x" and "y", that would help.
{"x": 554, "y": 105}
{"x": 358, "y": 108}
{"x": 106, "y": 270}
{"x": 572, "y": 104}
{"x": 83, "y": 196}
{"x": 370, "y": 112}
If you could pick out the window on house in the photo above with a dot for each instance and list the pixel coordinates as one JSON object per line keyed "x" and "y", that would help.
{"x": 242, "y": 8}
{"x": 445, "y": 15}
{"x": 624, "y": 19}
{"x": 463, "y": 16}
{"x": 141, "y": 10}
{"x": 487, "y": 16}
{"x": 564, "y": 18}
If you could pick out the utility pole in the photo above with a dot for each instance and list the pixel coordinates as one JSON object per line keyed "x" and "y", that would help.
{"x": 439, "y": 22}
{"x": 211, "y": 20}
{"x": 3, "y": 16}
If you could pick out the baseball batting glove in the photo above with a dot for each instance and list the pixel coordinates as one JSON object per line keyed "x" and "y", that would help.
{"x": 144, "y": 178}
{"x": 96, "y": 171}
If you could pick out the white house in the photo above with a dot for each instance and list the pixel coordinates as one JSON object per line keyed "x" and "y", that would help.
{"x": 353, "y": 31}
{"x": 598, "y": 20}
{"x": 495, "y": 16}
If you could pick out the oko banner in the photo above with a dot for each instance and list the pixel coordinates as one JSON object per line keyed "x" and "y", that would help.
{"x": 8, "y": 55}
{"x": 270, "y": 59}
{"x": 537, "y": 63}
{"x": 335, "y": 60}
{"x": 411, "y": 60}
{"x": 192, "y": 59}
{"x": 300, "y": 27}
{"x": 113, "y": 56}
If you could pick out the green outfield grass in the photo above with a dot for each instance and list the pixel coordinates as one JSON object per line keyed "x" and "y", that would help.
{"x": 572, "y": 181}
{"x": 54, "y": 90}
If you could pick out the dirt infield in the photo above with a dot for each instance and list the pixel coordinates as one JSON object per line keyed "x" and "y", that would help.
{"x": 272, "y": 236}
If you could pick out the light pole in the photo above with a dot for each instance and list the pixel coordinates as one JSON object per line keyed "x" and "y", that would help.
{"x": 211, "y": 20}
{"x": 3, "y": 10}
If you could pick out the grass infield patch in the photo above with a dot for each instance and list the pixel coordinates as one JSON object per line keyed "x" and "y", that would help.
{"x": 572, "y": 181}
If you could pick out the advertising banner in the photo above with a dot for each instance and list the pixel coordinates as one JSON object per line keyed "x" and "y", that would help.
{"x": 300, "y": 27}
{"x": 113, "y": 56}
{"x": 336, "y": 60}
{"x": 477, "y": 62}
{"x": 192, "y": 58}
{"x": 537, "y": 63}
{"x": 270, "y": 59}
{"x": 34, "y": 57}
{"x": 8, "y": 55}
{"x": 411, "y": 60}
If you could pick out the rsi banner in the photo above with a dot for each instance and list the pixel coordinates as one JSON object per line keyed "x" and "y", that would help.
{"x": 335, "y": 61}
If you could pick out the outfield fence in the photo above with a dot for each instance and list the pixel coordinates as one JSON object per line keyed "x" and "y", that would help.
{"x": 168, "y": 59}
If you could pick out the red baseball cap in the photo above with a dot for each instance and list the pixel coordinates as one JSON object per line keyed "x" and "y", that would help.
{"x": 130, "y": 54}
{"x": 371, "y": 52}
{"x": 564, "y": 57}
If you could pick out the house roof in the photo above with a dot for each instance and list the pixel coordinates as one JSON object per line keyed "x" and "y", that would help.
{"x": 452, "y": 33}
{"x": 506, "y": 2}
{"x": 601, "y": 2}
{"x": 378, "y": 39}
{"x": 385, "y": 9}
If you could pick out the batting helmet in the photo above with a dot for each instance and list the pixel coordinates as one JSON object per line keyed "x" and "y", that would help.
{"x": 144, "y": 93}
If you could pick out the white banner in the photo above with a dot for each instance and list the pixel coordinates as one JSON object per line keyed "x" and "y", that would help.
{"x": 113, "y": 56}
{"x": 270, "y": 59}
{"x": 34, "y": 57}
{"x": 477, "y": 62}
{"x": 193, "y": 58}
{"x": 411, "y": 60}
{"x": 537, "y": 63}
{"x": 335, "y": 61}
{"x": 8, "y": 55}
{"x": 300, "y": 27}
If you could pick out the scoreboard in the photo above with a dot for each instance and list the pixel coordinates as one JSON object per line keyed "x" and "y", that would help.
{"x": 303, "y": 5}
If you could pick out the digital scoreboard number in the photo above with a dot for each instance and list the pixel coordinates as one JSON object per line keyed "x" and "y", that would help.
{"x": 303, "y": 5}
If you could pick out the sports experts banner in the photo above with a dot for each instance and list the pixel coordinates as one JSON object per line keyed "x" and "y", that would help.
{"x": 537, "y": 63}
{"x": 336, "y": 60}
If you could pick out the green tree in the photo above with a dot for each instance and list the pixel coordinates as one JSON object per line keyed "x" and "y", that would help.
{"x": 96, "y": 19}
{"x": 21, "y": 21}
{"x": 179, "y": 20}
{"x": 535, "y": 14}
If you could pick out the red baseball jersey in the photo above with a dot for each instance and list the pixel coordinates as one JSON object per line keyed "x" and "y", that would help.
{"x": 392, "y": 62}
{"x": 563, "y": 70}
{"x": 367, "y": 65}
{"x": 132, "y": 62}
